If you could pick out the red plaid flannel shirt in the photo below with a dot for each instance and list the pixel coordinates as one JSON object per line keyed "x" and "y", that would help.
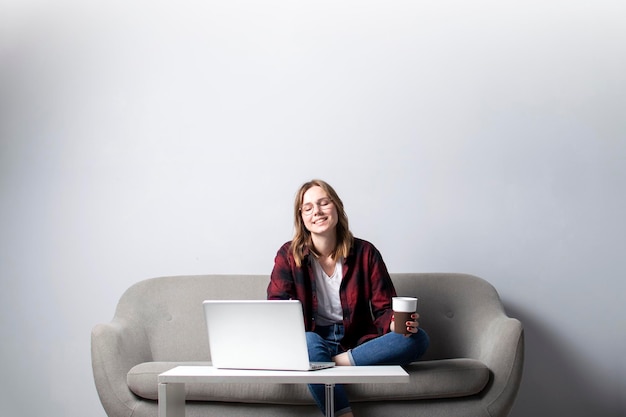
{"x": 365, "y": 283}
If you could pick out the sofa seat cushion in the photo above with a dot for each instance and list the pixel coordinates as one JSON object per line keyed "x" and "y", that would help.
{"x": 447, "y": 378}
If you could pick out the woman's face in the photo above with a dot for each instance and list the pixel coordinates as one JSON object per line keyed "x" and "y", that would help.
{"x": 318, "y": 211}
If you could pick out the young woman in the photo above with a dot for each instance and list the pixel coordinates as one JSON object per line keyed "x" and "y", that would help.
{"x": 345, "y": 291}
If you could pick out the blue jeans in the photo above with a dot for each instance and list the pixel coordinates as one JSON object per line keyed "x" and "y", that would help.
{"x": 389, "y": 349}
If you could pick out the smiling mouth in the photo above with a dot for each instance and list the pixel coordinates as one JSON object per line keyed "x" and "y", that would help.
{"x": 320, "y": 220}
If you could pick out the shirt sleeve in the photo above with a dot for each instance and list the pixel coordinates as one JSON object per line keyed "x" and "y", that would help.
{"x": 382, "y": 292}
{"x": 281, "y": 286}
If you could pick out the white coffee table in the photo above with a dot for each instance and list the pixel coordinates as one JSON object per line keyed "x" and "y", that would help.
{"x": 172, "y": 383}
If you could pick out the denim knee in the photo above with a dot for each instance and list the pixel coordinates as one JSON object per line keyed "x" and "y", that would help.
{"x": 415, "y": 346}
{"x": 390, "y": 349}
{"x": 423, "y": 341}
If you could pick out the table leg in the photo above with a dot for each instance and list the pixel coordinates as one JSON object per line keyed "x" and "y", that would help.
{"x": 171, "y": 400}
{"x": 330, "y": 400}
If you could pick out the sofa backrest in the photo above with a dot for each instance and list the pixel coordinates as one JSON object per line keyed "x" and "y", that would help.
{"x": 168, "y": 310}
{"x": 453, "y": 308}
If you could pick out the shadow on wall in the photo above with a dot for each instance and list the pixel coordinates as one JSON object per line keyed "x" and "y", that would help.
{"x": 553, "y": 384}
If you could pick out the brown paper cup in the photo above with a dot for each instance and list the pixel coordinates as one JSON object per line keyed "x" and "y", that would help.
{"x": 403, "y": 309}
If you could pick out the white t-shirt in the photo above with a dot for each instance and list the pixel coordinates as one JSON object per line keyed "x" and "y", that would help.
{"x": 329, "y": 309}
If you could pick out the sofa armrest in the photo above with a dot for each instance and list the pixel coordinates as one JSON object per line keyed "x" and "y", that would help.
{"x": 115, "y": 348}
{"x": 502, "y": 350}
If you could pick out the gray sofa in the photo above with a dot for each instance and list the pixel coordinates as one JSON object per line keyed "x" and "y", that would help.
{"x": 472, "y": 368}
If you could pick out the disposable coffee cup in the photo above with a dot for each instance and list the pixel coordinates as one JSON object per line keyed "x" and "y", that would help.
{"x": 403, "y": 309}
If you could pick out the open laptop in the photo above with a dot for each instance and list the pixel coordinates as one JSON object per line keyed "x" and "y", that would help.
{"x": 258, "y": 334}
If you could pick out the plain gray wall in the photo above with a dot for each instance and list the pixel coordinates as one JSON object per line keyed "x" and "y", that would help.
{"x": 145, "y": 138}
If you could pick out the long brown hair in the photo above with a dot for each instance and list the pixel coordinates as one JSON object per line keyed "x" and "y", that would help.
{"x": 302, "y": 237}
